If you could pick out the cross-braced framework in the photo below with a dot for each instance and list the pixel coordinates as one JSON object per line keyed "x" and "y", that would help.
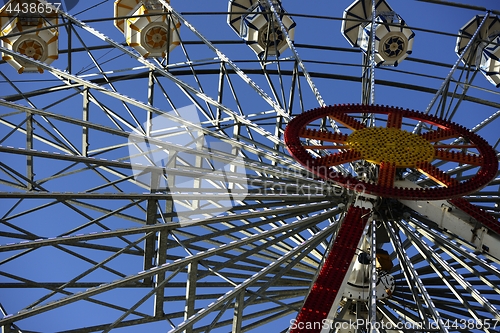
{"x": 151, "y": 189}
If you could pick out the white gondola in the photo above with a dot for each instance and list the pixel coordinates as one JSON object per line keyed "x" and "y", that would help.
{"x": 393, "y": 38}
{"x": 150, "y": 29}
{"x": 35, "y": 37}
{"x": 253, "y": 21}
{"x": 485, "y": 53}
{"x": 490, "y": 61}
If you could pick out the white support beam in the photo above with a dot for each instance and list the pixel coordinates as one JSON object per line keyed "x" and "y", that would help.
{"x": 453, "y": 220}
{"x": 191, "y": 293}
{"x": 238, "y": 313}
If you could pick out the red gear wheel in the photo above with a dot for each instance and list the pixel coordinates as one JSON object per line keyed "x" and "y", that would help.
{"x": 355, "y": 146}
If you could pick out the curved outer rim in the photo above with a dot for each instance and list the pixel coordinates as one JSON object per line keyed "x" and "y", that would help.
{"x": 486, "y": 173}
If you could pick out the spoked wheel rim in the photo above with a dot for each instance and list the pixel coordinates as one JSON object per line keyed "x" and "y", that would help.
{"x": 390, "y": 150}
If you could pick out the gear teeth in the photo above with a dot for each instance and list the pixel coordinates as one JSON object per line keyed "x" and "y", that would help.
{"x": 487, "y": 160}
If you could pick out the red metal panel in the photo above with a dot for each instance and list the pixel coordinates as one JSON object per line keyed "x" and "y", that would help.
{"x": 335, "y": 269}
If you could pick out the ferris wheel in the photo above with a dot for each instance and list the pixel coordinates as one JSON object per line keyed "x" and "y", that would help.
{"x": 249, "y": 165}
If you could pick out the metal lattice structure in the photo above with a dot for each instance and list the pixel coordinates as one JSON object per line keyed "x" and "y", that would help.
{"x": 124, "y": 210}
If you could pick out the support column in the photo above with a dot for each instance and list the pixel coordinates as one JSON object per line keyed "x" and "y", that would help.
{"x": 149, "y": 244}
{"x": 238, "y": 312}
{"x": 85, "y": 135}
{"x": 30, "y": 175}
{"x": 372, "y": 300}
{"x": 191, "y": 292}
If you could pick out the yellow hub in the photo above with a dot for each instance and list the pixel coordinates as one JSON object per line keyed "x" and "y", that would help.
{"x": 392, "y": 145}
